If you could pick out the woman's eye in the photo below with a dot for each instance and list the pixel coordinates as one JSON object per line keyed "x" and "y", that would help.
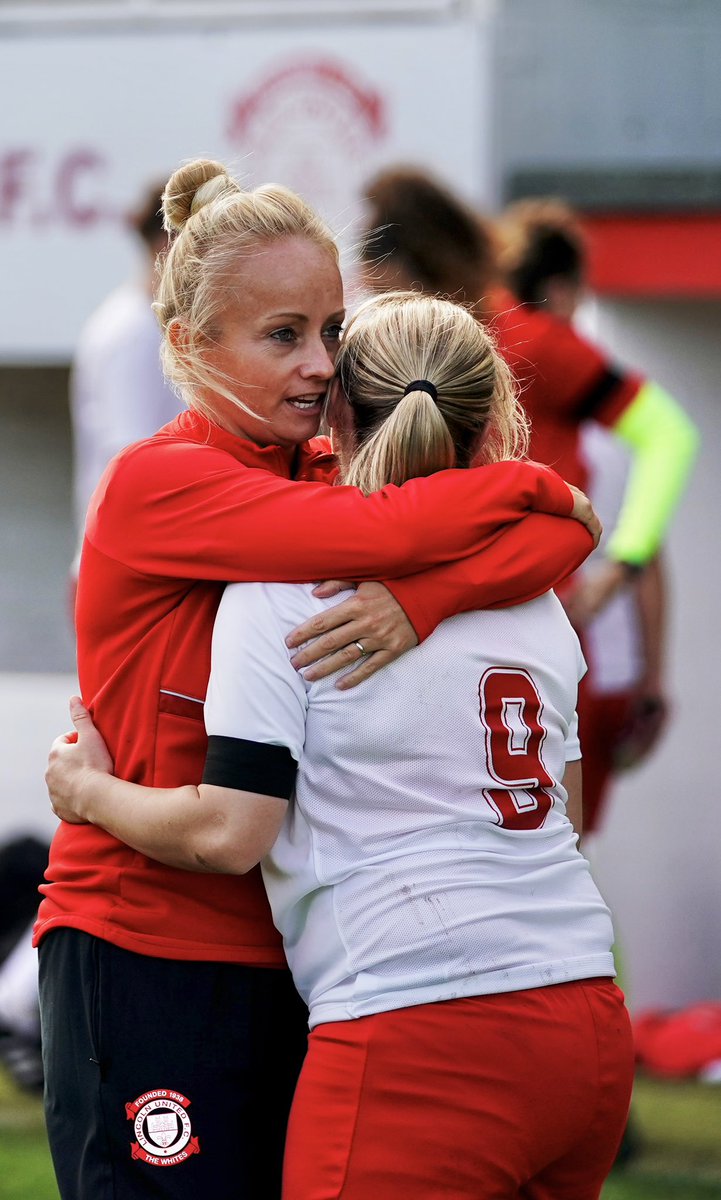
{"x": 284, "y": 335}
{"x": 333, "y": 332}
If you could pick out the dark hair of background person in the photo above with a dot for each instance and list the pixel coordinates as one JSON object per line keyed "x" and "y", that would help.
{"x": 416, "y": 225}
{"x": 146, "y": 219}
{"x": 540, "y": 240}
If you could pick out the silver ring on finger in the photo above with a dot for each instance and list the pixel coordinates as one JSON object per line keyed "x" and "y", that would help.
{"x": 362, "y": 649}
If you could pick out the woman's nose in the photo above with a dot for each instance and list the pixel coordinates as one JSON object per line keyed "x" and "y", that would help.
{"x": 320, "y": 363}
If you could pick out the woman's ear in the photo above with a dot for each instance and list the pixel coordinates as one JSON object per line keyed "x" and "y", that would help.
{"x": 178, "y": 335}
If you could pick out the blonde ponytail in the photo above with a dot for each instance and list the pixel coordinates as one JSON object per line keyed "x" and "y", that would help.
{"x": 413, "y": 440}
{"x": 402, "y": 337}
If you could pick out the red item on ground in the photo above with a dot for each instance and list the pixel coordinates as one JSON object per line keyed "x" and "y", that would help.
{"x": 681, "y": 1043}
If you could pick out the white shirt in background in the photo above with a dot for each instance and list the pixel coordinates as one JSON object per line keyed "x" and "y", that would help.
{"x": 118, "y": 393}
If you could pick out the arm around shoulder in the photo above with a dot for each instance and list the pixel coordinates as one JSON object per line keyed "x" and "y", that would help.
{"x": 206, "y": 828}
{"x": 197, "y": 512}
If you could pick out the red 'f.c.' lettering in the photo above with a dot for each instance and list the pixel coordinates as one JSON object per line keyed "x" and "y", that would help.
{"x": 15, "y": 171}
{"x": 73, "y": 172}
{"x": 511, "y": 711}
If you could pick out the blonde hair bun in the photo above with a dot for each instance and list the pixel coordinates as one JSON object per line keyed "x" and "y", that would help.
{"x": 192, "y": 186}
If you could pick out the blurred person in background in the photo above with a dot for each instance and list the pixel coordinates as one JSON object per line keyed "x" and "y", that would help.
{"x": 623, "y": 698}
{"x": 419, "y": 234}
{"x": 23, "y": 860}
{"x": 467, "y": 1038}
{"x": 118, "y": 392}
{"x": 172, "y": 1035}
{"x": 622, "y": 705}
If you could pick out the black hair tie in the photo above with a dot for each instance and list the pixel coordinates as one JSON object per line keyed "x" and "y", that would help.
{"x": 422, "y": 385}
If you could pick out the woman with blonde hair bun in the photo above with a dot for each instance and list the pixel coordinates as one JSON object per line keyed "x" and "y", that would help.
{"x": 416, "y": 839}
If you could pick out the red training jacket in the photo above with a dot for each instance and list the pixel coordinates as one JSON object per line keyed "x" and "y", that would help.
{"x": 564, "y": 381}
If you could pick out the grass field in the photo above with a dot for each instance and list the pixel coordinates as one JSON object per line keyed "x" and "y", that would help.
{"x": 25, "y": 1170}
{"x": 679, "y": 1128}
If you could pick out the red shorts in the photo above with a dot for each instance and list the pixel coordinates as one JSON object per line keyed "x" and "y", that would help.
{"x": 520, "y": 1095}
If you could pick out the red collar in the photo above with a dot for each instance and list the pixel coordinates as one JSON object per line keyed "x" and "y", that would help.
{"x": 299, "y": 462}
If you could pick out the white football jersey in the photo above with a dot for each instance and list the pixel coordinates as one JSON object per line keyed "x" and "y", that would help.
{"x": 426, "y": 853}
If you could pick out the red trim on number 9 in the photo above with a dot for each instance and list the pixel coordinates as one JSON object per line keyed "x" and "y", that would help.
{"x": 510, "y": 712}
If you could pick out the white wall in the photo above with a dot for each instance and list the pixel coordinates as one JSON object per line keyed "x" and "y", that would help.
{"x": 658, "y": 857}
{"x": 33, "y": 711}
{"x": 319, "y": 107}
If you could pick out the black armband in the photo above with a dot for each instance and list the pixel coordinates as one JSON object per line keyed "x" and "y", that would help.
{"x": 599, "y": 393}
{"x": 250, "y": 766}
